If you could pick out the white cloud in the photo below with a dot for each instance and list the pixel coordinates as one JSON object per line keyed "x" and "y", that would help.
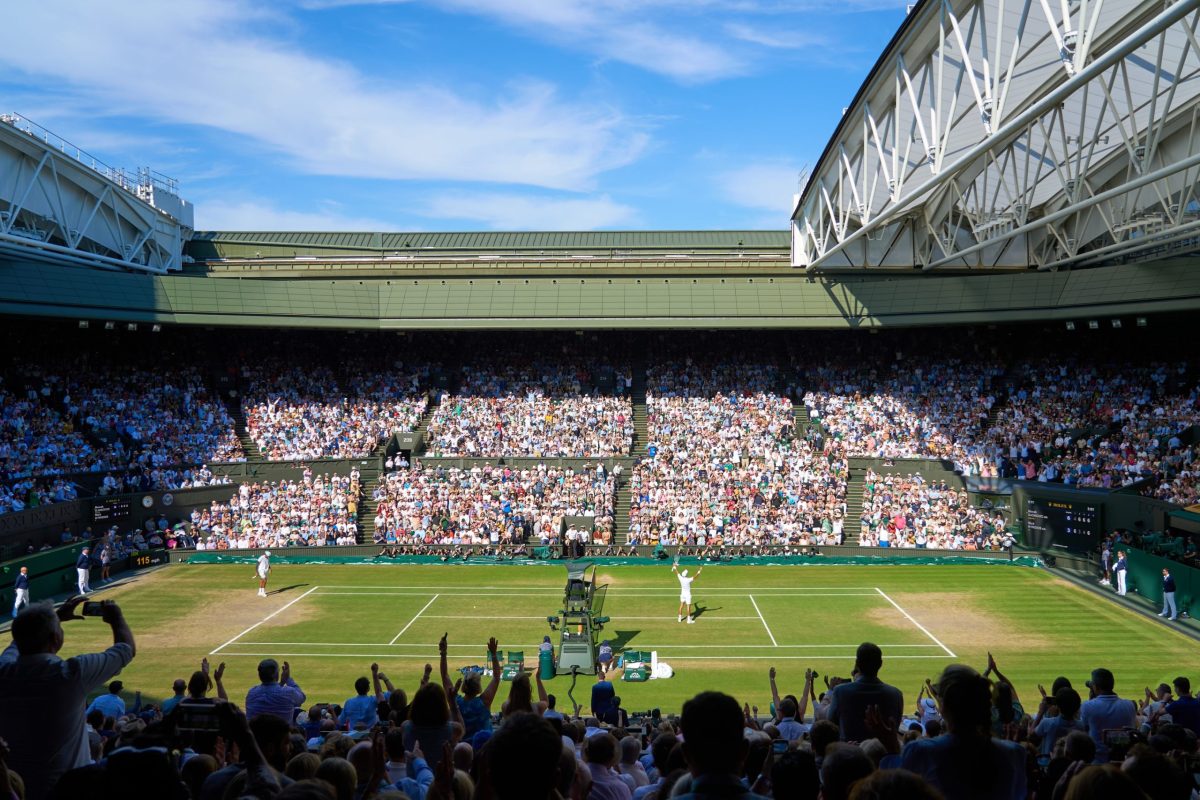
{"x": 504, "y": 211}
{"x": 258, "y": 215}
{"x": 766, "y": 185}
{"x": 200, "y": 62}
{"x": 775, "y": 38}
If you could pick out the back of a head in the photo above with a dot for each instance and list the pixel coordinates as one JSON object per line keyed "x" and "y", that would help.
{"x": 1079, "y": 746}
{"x": 302, "y": 765}
{"x": 966, "y": 701}
{"x": 787, "y": 707}
{"x": 869, "y": 659}
{"x": 630, "y": 750}
{"x": 823, "y": 733}
{"x": 1103, "y": 681}
{"x": 1103, "y": 783}
{"x": 393, "y": 744}
{"x": 1182, "y": 685}
{"x": 270, "y": 732}
{"x": 601, "y": 749}
{"x": 341, "y": 775}
{"x": 268, "y": 670}
{"x": 522, "y": 758}
{"x": 309, "y": 789}
{"x": 362, "y": 686}
{"x": 360, "y": 758}
{"x": 199, "y": 684}
{"x": 36, "y": 629}
{"x": 196, "y": 769}
{"x": 660, "y": 750}
{"x": 1156, "y": 775}
{"x": 1068, "y": 702}
{"x": 712, "y": 733}
{"x": 894, "y": 784}
{"x": 429, "y": 707}
{"x": 844, "y": 764}
{"x": 795, "y": 776}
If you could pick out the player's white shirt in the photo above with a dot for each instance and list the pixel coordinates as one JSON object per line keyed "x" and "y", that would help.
{"x": 264, "y": 566}
{"x": 685, "y": 587}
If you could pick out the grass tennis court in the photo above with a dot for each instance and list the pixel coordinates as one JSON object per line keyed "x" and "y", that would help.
{"x": 332, "y": 622}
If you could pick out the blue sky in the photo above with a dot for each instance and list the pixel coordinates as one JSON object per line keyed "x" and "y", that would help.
{"x": 452, "y": 114}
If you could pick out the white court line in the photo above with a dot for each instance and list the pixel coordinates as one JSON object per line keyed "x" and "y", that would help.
{"x": 764, "y": 621}
{"x": 639, "y": 647}
{"x": 732, "y": 654}
{"x": 414, "y": 619}
{"x": 264, "y": 619}
{"x": 909, "y": 617}
{"x": 659, "y": 587}
{"x": 622, "y": 617}
{"x": 618, "y": 595}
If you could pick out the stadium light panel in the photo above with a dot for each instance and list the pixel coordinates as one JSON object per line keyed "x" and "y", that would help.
{"x": 108, "y": 326}
{"x": 156, "y": 328}
{"x": 1070, "y": 325}
{"x": 1093, "y": 324}
{"x": 83, "y": 323}
{"x": 132, "y": 326}
{"x": 1116, "y": 323}
{"x": 1141, "y": 322}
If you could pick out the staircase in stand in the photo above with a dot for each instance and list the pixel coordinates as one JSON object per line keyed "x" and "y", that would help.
{"x": 854, "y": 505}
{"x": 802, "y": 420}
{"x": 367, "y": 506}
{"x": 621, "y": 509}
{"x": 249, "y": 446}
{"x": 423, "y": 426}
{"x": 637, "y": 392}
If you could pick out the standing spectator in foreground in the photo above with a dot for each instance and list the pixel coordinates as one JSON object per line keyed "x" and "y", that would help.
{"x": 43, "y": 695}
{"x": 1169, "y": 596}
{"x": 361, "y": 711}
{"x": 849, "y": 701}
{"x": 522, "y": 758}
{"x": 714, "y": 747}
{"x": 277, "y": 694}
{"x": 601, "y": 753}
{"x": 21, "y": 590}
{"x": 1120, "y": 570}
{"x": 1105, "y": 710}
{"x": 966, "y": 763}
{"x": 83, "y": 566}
{"x": 1185, "y": 710}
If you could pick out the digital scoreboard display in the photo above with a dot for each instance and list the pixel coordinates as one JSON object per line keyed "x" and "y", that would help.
{"x": 1069, "y": 524}
{"x": 111, "y": 510}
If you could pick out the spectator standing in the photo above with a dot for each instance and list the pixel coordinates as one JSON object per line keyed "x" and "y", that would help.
{"x": 601, "y": 755}
{"x": 849, "y": 701}
{"x": 20, "y": 591}
{"x": 43, "y": 695}
{"x": 1052, "y": 728}
{"x": 1105, "y": 711}
{"x": 361, "y": 711}
{"x": 83, "y": 566}
{"x": 966, "y": 763}
{"x": 110, "y": 704}
{"x": 1185, "y": 710}
{"x": 1168, "y": 584}
{"x": 1121, "y": 570}
{"x": 277, "y": 694}
{"x": 714, "y": 747}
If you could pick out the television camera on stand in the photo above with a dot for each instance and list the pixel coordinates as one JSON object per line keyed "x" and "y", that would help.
{"x": 577, "y": 622}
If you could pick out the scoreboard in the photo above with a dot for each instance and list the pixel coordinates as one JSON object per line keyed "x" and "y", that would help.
{"x": 1068, "y": 524}
{"x": 113, "y": 510}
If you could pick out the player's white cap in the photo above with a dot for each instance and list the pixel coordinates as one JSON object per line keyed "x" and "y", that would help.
{"x": 685, "y": 573}
{"x": 267, "y": 553}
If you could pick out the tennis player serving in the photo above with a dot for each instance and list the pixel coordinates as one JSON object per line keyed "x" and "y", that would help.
{"x": 685, "y": 592}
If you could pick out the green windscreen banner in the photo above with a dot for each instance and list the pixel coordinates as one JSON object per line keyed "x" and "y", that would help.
{"x": 1145, "y": 578}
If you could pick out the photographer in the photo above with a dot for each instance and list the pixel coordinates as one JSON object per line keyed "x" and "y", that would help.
{"x": 43, "y": 696}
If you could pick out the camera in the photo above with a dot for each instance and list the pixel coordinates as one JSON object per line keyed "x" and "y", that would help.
{"x": 197, "y": 717}
{"x": 779, "y": 746}
{"x": 92, "y": 608}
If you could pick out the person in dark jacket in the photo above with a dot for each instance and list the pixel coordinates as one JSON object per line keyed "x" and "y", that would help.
{"x": 1169, "y": 596}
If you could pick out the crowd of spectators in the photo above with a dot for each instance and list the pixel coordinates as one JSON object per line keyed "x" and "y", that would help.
{"x": 966, "y": 736}
{"x": 541, "y": 408}
{"x": 314, "y": 511}
{"x": 296, "y": 412}
{"x": 491, "y": 504}
{"x": 909, "y": 511}
{"x": 724, "y": 465}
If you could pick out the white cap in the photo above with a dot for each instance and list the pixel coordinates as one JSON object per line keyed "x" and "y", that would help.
{"x": 267, "y": 553}
{"x": 684, "y": 573}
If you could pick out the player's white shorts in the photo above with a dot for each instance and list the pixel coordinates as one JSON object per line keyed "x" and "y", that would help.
{"x": 686, "y": 597}
{"x": 262, "y": 576}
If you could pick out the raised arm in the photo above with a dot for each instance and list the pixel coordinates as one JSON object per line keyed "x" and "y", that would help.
{"x": 993, "y": 668}
{"x": 489, "y": 693}
{"x": 442, "y": 647}
{"x": 808, "y": 686}
{"x": 217, "y": 676}
{"x": 774, "y": 694}
{"x": 379, "y": 698}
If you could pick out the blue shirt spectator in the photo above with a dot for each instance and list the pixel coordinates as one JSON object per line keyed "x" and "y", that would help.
{"x": 110, "y": 704}
{"x": 360, "y": 711}
{"x": 1105, "y": 711}
{"x": 274, "y": 696}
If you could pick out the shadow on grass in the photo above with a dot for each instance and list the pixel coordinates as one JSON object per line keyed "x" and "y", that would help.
{"x": 283, "y": 589}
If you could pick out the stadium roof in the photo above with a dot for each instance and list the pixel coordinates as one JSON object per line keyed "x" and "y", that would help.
{"x": 505, "y": 241}
{"x": 994, "y": 135}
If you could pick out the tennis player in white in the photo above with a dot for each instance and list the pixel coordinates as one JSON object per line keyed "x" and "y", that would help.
{"x": 685, "y": 592}
{"x": 264, "y": 569}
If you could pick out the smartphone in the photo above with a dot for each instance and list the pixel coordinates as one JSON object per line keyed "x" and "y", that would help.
{"x": 197, "y": 717}
{"x": 92, "y": 608}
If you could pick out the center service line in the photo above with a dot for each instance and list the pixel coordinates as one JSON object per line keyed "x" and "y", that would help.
{"x": 414, "y": 619}
{"x": 264, "y": 619}
{"x": 764, "y": 621}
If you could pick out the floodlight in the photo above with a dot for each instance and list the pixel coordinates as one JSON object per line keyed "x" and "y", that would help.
{"x": 1093, "y": 324}
{"x": 83, "y": 323}
{"x": 108, "y": 326}
{"x": 1070, "y": 325}
{"x": 156, "y": 328}
{"x": 1116, "y": 323}
{"x": 1141, "y": 322}
{"x": 132, "y": 326}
